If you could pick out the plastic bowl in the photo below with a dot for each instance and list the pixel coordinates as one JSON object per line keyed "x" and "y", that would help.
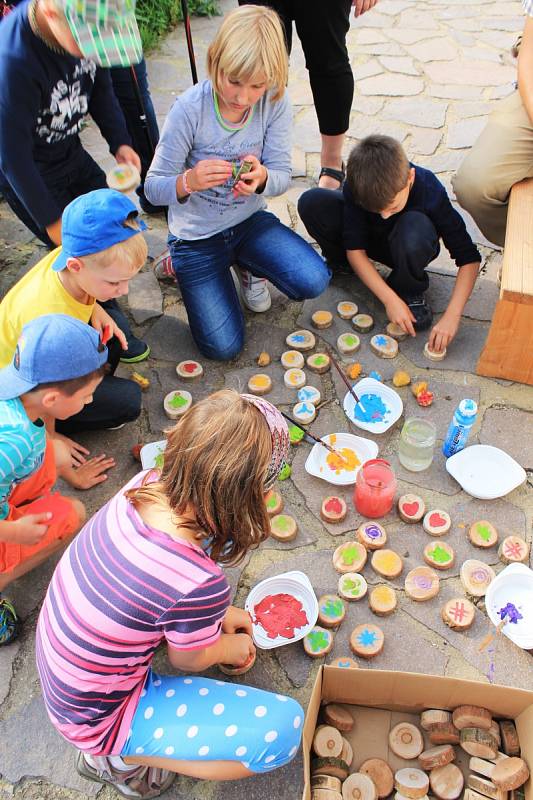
{"x": 390, "y": 398}
{"x": 294, "y": 583}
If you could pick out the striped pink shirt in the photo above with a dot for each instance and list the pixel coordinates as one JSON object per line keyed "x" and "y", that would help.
{"x": 120, "y": 589}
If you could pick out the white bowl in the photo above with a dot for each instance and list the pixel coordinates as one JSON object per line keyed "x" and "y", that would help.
{"x": 513, "y": 585}
{"x": 150, "y": 453}
{"x": 316, "y": 463}
{"x": 485, "y": 472}
{"x": 294, "y": 583}
{"x": 390, "y": 398}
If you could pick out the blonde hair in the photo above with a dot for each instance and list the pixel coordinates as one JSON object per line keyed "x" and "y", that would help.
{"x": 216, "y": 462}
{"x": 250, "y": 45}
{"x": 132, "y": 252}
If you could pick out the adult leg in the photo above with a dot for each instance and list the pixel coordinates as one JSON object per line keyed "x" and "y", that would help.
{"x": 322, "y": 213}
{"x": 501, "y": 156}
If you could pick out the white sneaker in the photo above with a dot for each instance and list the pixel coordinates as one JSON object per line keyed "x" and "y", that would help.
{"x": 254, "y": 291}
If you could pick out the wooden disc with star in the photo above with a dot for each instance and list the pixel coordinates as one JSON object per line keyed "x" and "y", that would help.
{"x": 367, "y": 640}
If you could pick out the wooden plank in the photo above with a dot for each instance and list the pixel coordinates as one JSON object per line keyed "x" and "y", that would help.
{"x": 517, "y": 272}
{"x": 508, "y": 351}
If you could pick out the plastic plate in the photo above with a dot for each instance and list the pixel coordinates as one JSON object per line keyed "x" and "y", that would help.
{"x": 150, "y": 454}
{"x": 316, "y": 463}
{"x": 485, "y": 472}
{"x": 513, "y": 585}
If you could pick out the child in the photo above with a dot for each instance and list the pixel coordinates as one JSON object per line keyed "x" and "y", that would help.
{"x": 57, "y": 365}
{"x": 241, "y": 114}
{"x": 103, "y": 248}
{"x": 394, "y": 212}
{"x": 138, "y": 575}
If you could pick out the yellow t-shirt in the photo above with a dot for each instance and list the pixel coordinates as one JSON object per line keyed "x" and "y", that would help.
{"x": 39, "y": 292}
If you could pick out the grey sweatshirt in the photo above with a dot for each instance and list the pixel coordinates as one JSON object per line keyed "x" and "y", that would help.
{"x": 192, "y": 133}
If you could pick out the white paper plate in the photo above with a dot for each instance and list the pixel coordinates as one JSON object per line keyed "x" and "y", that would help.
{"x": 390, "y": 398}
{"x": 485, "y": 472}
{"x": 294, "y": 583}
{"x": 150, "y": 452}
{"x": 316, "y": 460}
{"x": 513, "y": 585}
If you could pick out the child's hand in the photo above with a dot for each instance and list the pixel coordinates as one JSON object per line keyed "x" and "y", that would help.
{"x": 102, "y": 322}
{"x": 237, "y": 620}
{"x": 31, "y": 529}
{"x": 238, "y": 648}
{"x": 399, "y": 312}
{"x": 252, "y": 180}
{"x": 76, "y": 451}
{"x": 443, "y": 332}
{"x": 208, "y": 173}
{"x": 92, "y": 472}
{"x": 127, "y": 155}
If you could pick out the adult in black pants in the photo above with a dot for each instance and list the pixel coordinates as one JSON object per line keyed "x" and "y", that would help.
{"x": 322, "y": 26}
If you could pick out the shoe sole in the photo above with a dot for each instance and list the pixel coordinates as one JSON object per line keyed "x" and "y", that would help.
{"x": 256, "y": 310}
{"x": 90, "y": 775}
{"x": 136, "y": 359}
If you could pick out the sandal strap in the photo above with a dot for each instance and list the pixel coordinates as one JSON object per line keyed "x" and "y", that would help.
{"x": 336, "y": 174}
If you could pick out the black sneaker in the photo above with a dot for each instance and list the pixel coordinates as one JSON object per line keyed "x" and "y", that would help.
{"x": 421, "y": 311}
{"x": 9, "y": 622}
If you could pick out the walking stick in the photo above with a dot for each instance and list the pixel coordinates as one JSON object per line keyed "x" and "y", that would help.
{"x": 188, "y": 36}
{"x": 142, "y": 112}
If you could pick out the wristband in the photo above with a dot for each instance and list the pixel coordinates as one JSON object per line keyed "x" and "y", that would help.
{"x": 186, "y": 186}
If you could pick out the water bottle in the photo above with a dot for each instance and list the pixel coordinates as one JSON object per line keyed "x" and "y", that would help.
{"x": 459, "y": 430}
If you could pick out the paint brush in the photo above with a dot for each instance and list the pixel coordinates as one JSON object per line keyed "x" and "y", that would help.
{"x": 314, "y": 438}
{"x": 346, "y": 381}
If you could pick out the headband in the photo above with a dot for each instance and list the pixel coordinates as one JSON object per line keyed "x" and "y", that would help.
{"x": 279, "y": 433}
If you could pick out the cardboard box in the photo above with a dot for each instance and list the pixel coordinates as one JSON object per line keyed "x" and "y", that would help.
{"x": 411, "y": 693}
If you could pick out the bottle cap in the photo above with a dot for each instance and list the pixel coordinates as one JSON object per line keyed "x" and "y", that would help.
{"x": 468, "y": 408}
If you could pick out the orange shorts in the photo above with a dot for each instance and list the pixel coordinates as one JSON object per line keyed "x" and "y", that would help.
{"x": 33, "y": 496}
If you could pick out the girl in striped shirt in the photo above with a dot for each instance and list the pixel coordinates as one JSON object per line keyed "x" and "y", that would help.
{"x": 139, "y": 575}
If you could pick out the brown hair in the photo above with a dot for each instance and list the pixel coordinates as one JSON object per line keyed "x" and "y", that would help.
{"x": 377, "y": 170}
{"x": 73, "y": 385}
{"x": 216, "y": 462}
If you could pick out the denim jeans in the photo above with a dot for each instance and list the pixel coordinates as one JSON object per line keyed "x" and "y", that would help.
{"x": 261, "y": 244}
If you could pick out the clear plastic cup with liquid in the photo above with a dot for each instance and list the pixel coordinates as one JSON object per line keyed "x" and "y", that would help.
{"x": 417, "y": 442}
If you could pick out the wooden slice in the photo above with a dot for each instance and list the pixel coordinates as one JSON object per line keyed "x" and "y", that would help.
{"x": 446, "y": 782}
{"x": 367, "y": 640}
{"x": 346, "y": 309}
{"x": 406, "y": 741}
{"x": 437, "y": 522}
{"x": 476, "y": 577}
{"x": 123, "y": 178}
{"x": 434, "y": 716}
{"x": 387, "y": 563}
{"x": 304, "y": 413}
{"x": 189, "y": 370}
{"x": 439, "y": 555}
{"x": 352, "y": 586}
{"x": 325, "y": 794}
{"x": 436, "y": 757}
{"x": 349, "y": 557}
{"x": 294, "y": 378}
{"x": 434, "y": 355}
{"x": 260, "y": 383}
{"x": 326, "y": 782}
{"x": 335, "y": 767}
{"x": 384, "y": 346}
{"x": 319, "y": 363}
{"x": 483, "y": 534}
{"x": 363, "y": 323}
{"x": 347, "y": 751}
{"x": 274, "y": 503}
{"x": 292, "y": 359}
{"x": 481, "y": 766}
{"x": 470, "y": 794}
{"x": 380, "y": 774}
{"x": 486, "y": 787}
{"x": 301, "y": 340}
{"x": 296, "y": 435}
{"x": 348, "y": 343}
{"x": 478, "y": 742}
{"x": 498, "y": 757}
{"x": 344, "y": 662}
{"x": 458, "y": 613}
{"x": 322, "y": 319}
{"x": 331, "y": 610}
{"x": 411, "y": 782}
{"x": 396, "y": 331}
{"x": 318, "y": 642}
{"x": 383, "y": 600}
{"x": 309, "y": 394}
{"x": 510, "y": 773}
{"x": 411, "y": 508}
{"x": 509, "y": 736}
{"x": 495, "y": 730}
{"x": 467, "y": 716}
{"x": 283, "y": 527}
{"x": 358, "y": 787}
{"x": 422, "y": 584}
{"x": 445, "y": 733}
{"x": 338, "y": 716}
{"x": 372, "y": 535}
{"x": 400, "y": 796}
{"x": 513, "y": 550}
{"x": 327, "y": 741}
{"x": 333, "y": 509}
{"x": 177, "y": 403}
{"x": 229, "y": 669}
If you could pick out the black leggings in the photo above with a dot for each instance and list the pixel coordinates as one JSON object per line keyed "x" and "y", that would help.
{"x": 322, "y": 26}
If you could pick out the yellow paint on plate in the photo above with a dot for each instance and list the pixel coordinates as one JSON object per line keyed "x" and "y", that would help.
{"x": 347, "y": 460}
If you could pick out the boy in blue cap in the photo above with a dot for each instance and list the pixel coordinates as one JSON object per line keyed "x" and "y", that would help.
{"x": 103, "y": 248}
{"x": 57, "y": 365}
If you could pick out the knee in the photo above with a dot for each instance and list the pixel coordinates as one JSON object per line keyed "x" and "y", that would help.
{"x": 313, "y": 277}
{"x": 80, "y": 511}
{"x": 414, "y": 233}
{"x": 222, "y": 349}
{"x": 320, "y": 207}
{"x": 469, "y": 185}
{"x": 130, "y": 402}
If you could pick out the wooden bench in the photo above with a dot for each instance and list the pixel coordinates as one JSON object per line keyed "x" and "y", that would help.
{"x": 508, "y": 351}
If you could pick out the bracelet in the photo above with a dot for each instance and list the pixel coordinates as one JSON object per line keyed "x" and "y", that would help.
{"x": 186, "y": 186}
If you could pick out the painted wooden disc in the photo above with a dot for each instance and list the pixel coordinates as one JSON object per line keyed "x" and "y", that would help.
{"x": 344, "y": 662}
{"x": 380, "y": 774}
{"x": 123, "y": 178}
{"x": 458, "y": 613}
{"x": 483, "y": 534}
{"x": 422, "y": 584}
{"x": 333, "y": 509}
{"x": 352, "y": 586}
{"x": 337, "y": 715}
{"x": 434, "y": 716}
{"x": 346, "y": 309}
{"x": 319, "y": 363}
{"x": 510, "y": 773}
{"x": 349, "y": 557}
{"x": 513, "y": 549}
{"x": 411, "y": 782}
{"x": 189, "y": 370}
{"x": 327, "y": 741}
{"x": 283, "y": 527}
{"x": 331, "y": 610}
{"x": 444, "y": 733}
{"x": 383, "y": 600}
{"x": 367, "y": 640}
{"x": 348, "y": 343}
{"x": 439, "y": 555}
{"x": 322, "y": 319}
{"x": 309, "y": 394}
{"x": 468, "y": 716}
{"x": 434, "y": 355}
{"x": 437, "y": 522}
{"x": 447, "y": 782}
{"x": 396, "y": 332}
{"x": 476, "y": 577}
{"x": 301, "y": 340}
{"x": 478, "y": 742}
{"x": 296, "y": 435}
{"x": 384, "y": 346}
{"x": 511, "y": 743}
{"x": 228, "y": 669}
{"x": 260, "y": 383}
{"x": 294, "y": 378}
{"x": 274, "y": 503}
{"x": 372, "y": 535}
{"x": 318, "y": 642}
{"x": 177, "y": 403}
{"x": 304, "y": 412}
{"x": 358, "y": 787}
{"x": 292, "y": 358}
{"x": 363, "y": 323}
{"x": 436, "y": 757}
{"x": 326, "y": 782}
{"x": 387, "y": 563}
{"x": 411, "y": 508}
{"x": 406, "y": 741}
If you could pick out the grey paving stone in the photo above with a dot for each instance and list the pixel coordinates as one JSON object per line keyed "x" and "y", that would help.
{"x": 376, "y": 20}
{"x": 475, "y": 109}
{"x": 423, "y": 141}
{"x": 368, "y": 105}
{"x": 454, "y": 92}
{"x": 447, "y": 398}
{"x": 7, "y": 663}
{"x": 435, "y": 477}
{"x": 390, "y": 49}
{"x": 463, "y": 352}
{"x": 382, "y": 85}
{"x": 144, "y": 298}
{"x": 361, "y": 126}
{"x": 442, "y": 162}
{"x": 286, "y": 782}
{"x": 411, "y": 35}
{"x": 422, "y": 112}
{"x": 303, "y": 538}
{"x": 464, "y": 133}
{"x": 370, "y": 36}
{"x": 170, "y": 340}
{"x": 367, "y": 70}
{"x": 393, "y": 7}
{"x": 433, "y": 50}
{"x": 261, "y": 336}
{"x": 511, "y": 429}
{"x": 417, "y": 19}
{"x": 305, "y": 130}
{"x": 280, "y": 394}
{"x": 477, "y": 73}
{"x": 480, "y": 306}
{"x": 512, "y": 24}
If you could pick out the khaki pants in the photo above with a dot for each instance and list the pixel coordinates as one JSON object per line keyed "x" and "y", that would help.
{"x": 501, "y": 156}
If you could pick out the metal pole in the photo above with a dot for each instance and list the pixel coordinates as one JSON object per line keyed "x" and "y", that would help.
{"x": 142, "y": 112}
{"x": 188, "y": 36}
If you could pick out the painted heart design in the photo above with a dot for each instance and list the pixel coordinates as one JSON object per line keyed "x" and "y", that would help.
{"x": 333, "y": 505}
{"x": 189, "y": 367}
{"x": 410, "y": 509}
{"x": 436, "y": 521}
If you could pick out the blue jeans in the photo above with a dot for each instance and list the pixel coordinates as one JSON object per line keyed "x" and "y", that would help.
{"x": 260, "y": 244}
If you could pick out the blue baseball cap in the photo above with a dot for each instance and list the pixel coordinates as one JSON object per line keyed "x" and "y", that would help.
{"x": 93, "y": 222}
{"x": 54, "y": 347}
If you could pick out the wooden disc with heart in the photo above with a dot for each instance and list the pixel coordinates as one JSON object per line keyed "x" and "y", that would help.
{"x": 327, "y": 741}
{"x": 458, "y": 613}
{"x": 383, "y": 600}
{"x": 380, "y": 774}
{"x": 483, "y": 534}
{"x": 338, "y": 716}
{"x": 437, "y": 522}
{"x": 436, "y": 757}
{"x": 372, "y": 535}
{"x": 411, "y": 782}
{"x": 411, "y": 508}
{"x": 349, "y": 557}
{"x": 387, "y": 563}
{"x": 439, "y": 555}
{"x": 406, "y": 741}
{"x": 359, "y": 787}
{"x": 367, "y": 640}
{"x": 333, "y": 509}
{"x": 189, "y": 370}
{"x": 446, "y": 782}
{"x": 422, "y": 584}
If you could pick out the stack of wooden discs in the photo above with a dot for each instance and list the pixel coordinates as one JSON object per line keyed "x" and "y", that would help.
{"x": 478, "y": 737}
{"x": 439, "y": 726}
{"x": 334, "y": 753}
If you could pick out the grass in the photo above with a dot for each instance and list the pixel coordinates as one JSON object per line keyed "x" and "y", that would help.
{"x": 156, "y": 17}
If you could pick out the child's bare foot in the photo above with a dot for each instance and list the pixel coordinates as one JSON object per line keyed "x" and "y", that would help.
{"x": 91, "y": 473}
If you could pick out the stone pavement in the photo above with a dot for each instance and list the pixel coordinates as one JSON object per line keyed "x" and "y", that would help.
{"x": 426, "y": 73}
